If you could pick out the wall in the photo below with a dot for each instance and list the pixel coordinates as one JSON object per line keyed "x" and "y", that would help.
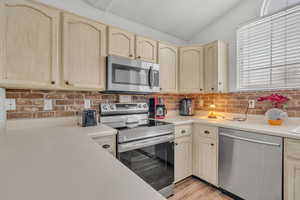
{"x": 81, "y": 8}
{"x": 29, "y": 103}
{"x": 225, "y": 29}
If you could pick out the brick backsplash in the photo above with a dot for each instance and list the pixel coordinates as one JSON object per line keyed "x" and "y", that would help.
{"x": 29, "y": 103}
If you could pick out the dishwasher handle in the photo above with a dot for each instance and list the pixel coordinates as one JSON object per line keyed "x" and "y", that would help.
{"x": 250, "y": 140}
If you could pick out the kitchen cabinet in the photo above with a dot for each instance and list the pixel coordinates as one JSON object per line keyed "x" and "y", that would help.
{"x": 168, "y": 61}
{"x": 107, "y": 142}
{"x": 84, "y": 51}
{"x": 292, "y": 169}
{"x": 146, "y": 49}
{"x": 29, "y": 42}
{"x": 121, "y": 43}
{"x": 215, "y": 67}
{"x": 191, "y": 70}
{"x": 205, "y": 154}
{"x": 183, "y": 152}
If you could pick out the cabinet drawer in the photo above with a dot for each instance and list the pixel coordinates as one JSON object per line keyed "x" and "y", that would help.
{"x": 206, "y": 131}
{"x": 292, "y": 148}
{"x": 107, "y": 142}
{"x": 183, "y": 130}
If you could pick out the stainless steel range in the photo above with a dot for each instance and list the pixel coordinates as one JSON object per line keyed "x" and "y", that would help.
{"x": 145, "y": 146}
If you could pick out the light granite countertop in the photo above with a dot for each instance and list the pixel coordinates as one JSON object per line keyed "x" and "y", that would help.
{"x": 257, "y": 124}
{"x": 65, "y": 163}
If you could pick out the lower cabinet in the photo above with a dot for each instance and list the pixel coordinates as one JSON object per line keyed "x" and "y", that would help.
{"x": 205, "y": 153}
{"x": 107, "y": 142}
{"x": 183, "y": 152}
{"x": 292, "y": 170}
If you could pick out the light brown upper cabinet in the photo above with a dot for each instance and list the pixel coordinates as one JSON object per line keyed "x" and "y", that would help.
{"x": 29, "y": 43}
{"x": 191, "y": 70}
{"x": 215, "y": 67}
{"x": 84, "y": 51}
{"x": 168, "y": 61}
{"x": 146, "y": 49}
{"x": 121, "y": 43}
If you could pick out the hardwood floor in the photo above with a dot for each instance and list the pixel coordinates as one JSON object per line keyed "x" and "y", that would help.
{"x": 194, "y": 189}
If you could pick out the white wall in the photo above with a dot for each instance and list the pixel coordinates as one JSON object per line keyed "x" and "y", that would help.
{"x": 81, "y": 8}
{"x": 225, "y": 29}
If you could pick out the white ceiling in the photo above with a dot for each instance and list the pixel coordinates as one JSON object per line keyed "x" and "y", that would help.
{"x": 180, "y": 18}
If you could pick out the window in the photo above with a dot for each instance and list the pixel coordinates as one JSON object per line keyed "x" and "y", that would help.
{"x": 268, "y": 52}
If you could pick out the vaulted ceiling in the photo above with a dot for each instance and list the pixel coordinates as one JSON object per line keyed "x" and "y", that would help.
{"x": 180, "y": 18}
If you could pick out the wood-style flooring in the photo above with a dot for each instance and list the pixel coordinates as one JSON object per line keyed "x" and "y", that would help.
{"x": 194, "y": 189}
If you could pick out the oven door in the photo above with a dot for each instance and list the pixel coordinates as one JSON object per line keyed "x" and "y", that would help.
{"x": 127, "y": 75}
{"x": 152, "y": 160}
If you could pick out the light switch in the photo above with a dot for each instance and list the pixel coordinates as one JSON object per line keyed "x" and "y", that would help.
{"x": 201, "y": 103}
{"x": 48, "y": 104}
{"x": 251, "y": 103}
{"x": 87, "y": 103}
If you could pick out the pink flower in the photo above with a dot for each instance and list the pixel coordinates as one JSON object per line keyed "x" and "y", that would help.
{"x": 276, "y": 99}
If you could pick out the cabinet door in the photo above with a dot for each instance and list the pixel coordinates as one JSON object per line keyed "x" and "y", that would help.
{"x": 205, "y": 156}
{"x": 183, "y": 158}
{"x": 168, "y": 61}
{"x": 292, "y": 179}
{"x": 29, "y": 45}
{"x": 211, "y": 67}
{"x": 191, "y": 69}
{"x": 120, "y": 43}
{"x": 84, "y": 48}
{"x": 146, "y": 49}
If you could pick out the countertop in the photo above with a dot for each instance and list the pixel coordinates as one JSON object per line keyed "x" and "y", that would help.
{"x": 64, "y": 163}
{"x": 256, "y": 124}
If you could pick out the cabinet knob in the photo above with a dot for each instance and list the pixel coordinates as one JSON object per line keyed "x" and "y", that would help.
{"x": 220, "y": 83}
{"x": 139, "y": 57}
{"x": 206, "y": 132}
{"x": 106, "y": 146}
{"x": 52, "y": 82}
{"x": 183, "y": 131}
{"x": 212, "y": 88}
{"x": 160, "y": 89}
{"x": 201, "y": 89}
{"x": 212, "y": 144}
{"x": 130, "y": 55}
{"x": 176, "y": 143}
{"x": 67, "y": 82}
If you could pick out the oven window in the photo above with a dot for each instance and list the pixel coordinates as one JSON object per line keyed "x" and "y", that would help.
{"x": 122, "y": 74}
{"x": 154, "y": 164}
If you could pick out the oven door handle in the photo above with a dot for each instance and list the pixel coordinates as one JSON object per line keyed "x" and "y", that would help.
{"x": 144, "y": 143}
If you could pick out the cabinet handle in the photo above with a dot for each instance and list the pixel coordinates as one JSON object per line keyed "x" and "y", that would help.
{"x": 183, "y": 131}
{"x": 130, "y": 55}
{"x": 212, "y": 144}
{"x": 212, "y": 88}
{"x": 106, "y": 146}
{"x": 52, "y": 82}
{"x": 139, "y": 57}
{"x": 206, "y": 132}
{"x": 160, "y": 89}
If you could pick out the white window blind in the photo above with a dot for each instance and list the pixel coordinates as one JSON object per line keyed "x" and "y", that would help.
{"x": 268, "y": 52}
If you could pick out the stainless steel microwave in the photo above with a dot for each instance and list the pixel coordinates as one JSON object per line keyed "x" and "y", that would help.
{"x": 131, "y": 76}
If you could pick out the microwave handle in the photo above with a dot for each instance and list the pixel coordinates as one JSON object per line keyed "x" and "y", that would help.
{"x": 150, "y": 77}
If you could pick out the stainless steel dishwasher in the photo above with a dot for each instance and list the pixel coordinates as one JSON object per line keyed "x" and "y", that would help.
{"x": 250, "y": 164}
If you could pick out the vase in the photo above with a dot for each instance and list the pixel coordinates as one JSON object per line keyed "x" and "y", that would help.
{"x": 276, "y": 116}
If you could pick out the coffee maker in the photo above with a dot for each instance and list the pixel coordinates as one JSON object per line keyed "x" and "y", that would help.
{"x": 157, "y": 108}
{"x": 186, "y": 107}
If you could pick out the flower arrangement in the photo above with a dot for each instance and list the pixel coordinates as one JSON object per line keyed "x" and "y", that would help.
{"x": 275, "y": 115}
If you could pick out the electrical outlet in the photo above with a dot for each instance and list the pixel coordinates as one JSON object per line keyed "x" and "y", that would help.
{"x": 10, "y": 104}
{"x": 201, "y": 103}
{"x": 48, "y": 104}
{"x": 87, "y": 103}
{"x": 251, "y": 103}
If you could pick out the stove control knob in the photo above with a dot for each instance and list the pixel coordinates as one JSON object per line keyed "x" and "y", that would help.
{"x": 112, "y": 107}
{"x": 105, "y": 107}
{"x": 139, "y": 105}
{"x": 145, "y": 106}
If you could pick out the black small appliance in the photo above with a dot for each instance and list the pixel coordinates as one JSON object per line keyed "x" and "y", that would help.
{"x": 88, "y": 118}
